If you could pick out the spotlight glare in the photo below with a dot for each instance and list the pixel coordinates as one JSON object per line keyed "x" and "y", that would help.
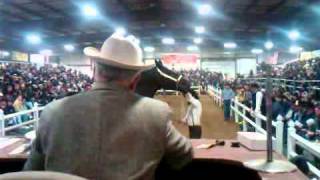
{"x": 168, "y": 41}
{"x": 121, "y": 31}
{"x": 69, "y": 47}
{"x": 33, "y": 39}
{"x": 199, "y": 29}
{"x": 295, "y": 49}
{"x": 197, "y": 40}
{"x": 133, "y": 39}
{"x": 294, "y": 35}
{"x": 269, "y": 45}
{"x": 192, "y": 48}
{"x": 256, "y": 51}
{"x": 149, "y": 49}
{"x": 230, "y": 45}
{"x": 204, "y": 9}
{"x": 89, "y": 10}
{"x": 46, "y": 52}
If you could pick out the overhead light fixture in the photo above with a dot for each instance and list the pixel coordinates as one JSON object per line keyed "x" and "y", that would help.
{"x": 121, "y": 31}
{"x": 197, "y": 40}
{"x": 69, "y": 47}
{"x": 199, "y": 29}
{"x": 149, "y": 49}
{"x": 268, "y": 45}
{"x": 256, "y": 51}
{"x": 134, "y": 39}
{"x": 168, "y": 41}
{"x": 89, "y": 10}
{"x": 227, "y": 53}
{"x": 5, "y": 53}
{"x": 46, "y": 52}
{"x": 33, "y": 39}
{"x": 294, "y": 35}
{"x": 204, "y": 9}
{"x": 192, "y": 48}
{"x": 230, "y": 45}
{"x": 295, "y": 49}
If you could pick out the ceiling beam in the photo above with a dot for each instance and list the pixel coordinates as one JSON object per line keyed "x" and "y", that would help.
{"x": 24, "y": 9}
{"x": 49, "y": 7}
{"x": 276, "y": 6}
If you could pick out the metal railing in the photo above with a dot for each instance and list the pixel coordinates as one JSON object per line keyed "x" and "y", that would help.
{"x": 240, "y": 111}
{"x": 35, "y": 111}
{"x": 289, "y": 83}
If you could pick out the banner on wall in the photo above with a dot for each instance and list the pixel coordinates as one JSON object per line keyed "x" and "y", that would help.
{"x": 19, "y": 56}
{"x": 273, "y": 58}
{"x": 181, "y": 61}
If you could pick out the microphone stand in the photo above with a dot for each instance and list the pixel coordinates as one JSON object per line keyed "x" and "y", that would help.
{"x": 270, "y": 165}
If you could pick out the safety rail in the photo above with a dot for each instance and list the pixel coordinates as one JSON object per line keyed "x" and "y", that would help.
{"x": 296, "y": 84}
{"x": 240, "y": 111}
{"x": 311, "y": 147}
{"x": 35, "y": 111}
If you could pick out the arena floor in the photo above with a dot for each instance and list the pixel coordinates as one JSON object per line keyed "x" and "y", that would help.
{"x": 213, "y": 125}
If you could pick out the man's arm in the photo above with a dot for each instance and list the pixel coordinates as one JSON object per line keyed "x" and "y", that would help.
{"x": 178, "y": 150}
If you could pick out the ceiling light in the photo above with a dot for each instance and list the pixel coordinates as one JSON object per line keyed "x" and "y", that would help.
{"x": 33, "y": 39}
{"x": 192, "y": 48}
{"x": 269, "y": 45}
{"x": 69, "y": 47}
{"x": 295, "y": 49}
{"x": 149, "y": 49}
{"x": 199, "y": 29}
{"x": 197, "y": 40}
{"x": 121, "y": 31}
{"x": 204, "y": 9}
{"x": 168, "y": 41}
{"x": 89, "y": 10}
{"x": 294, "y": 35}
{"x": 46, "y": 52}
{"x": 5, "y": 53}
{"x": 230, "y": 45}
{"x": 256, "y": 51}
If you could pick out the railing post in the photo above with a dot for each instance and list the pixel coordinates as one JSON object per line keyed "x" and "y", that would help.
{"x": 2, "y": 123}
{"x": 236, "y": 116}
{"x": 279, "y": 136}
{"x": 291, "y": 141}
{"x": 36, "y": 116}
{"x": 244, "y": 122}
{"x": 258, "y": 121}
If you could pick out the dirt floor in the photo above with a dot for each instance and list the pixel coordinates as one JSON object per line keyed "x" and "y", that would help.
{"x": 213, "y": 125}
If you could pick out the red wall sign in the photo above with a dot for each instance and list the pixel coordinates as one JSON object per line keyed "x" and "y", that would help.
{"x": 177, "y": 58}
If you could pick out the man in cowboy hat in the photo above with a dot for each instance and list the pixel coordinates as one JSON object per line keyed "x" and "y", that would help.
{"x": 109, "y": 132}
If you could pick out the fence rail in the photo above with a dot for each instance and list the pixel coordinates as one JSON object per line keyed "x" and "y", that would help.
{"x": 240, "y": 111}
{"x": 4, "y": 118}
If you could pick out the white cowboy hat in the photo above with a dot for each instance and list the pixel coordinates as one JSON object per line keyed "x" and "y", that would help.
{"x": 119, "y": 51}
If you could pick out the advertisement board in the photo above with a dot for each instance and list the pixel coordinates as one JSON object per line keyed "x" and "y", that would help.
{"x": 19, "y": 56}
{"x": 179, "y": 61}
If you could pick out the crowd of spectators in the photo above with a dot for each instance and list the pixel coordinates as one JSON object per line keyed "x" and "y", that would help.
{"x": 22, "y": 85}
{"x": 203, "y": 78}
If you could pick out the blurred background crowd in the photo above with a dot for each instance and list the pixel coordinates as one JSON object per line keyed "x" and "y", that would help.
{"x": 23, "y": 85}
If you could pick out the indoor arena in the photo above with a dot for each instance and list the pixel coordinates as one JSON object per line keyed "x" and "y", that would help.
{"x": 159, "y": 89}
